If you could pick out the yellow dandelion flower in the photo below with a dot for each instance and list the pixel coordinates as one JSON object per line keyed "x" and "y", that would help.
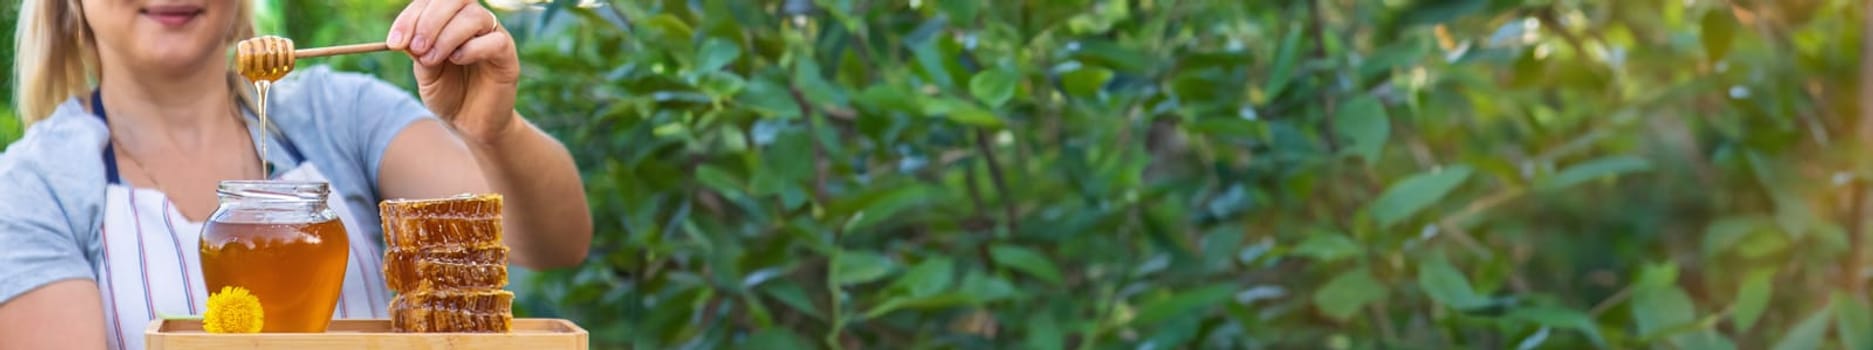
{"x": 233, "y": 310}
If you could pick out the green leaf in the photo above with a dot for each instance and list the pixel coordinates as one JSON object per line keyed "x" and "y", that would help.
{"x": 1853, "y": 321}
{"x": 792, "y": 295}
{"x": 1719, "y": 30}
{"x": 1230, "y": 127}
{"x": 960, "y": 11}
{"x": 1399, "y": 53}
{"x": 1406, "y": 197}
{"x": 1443, "y": 283}
{"x": 1025, "y": 260}
{"x": 1183, "y": 303}
{"x": 1363, "y": 121}
{"x": 929, "y": 277}
{"x": 881, "y": 204}
{"x": 1752, "y": 296}
{"x": 1557, "y": 317}
{"x": 1328, "y": 246}
{"x": 769, "y": 98}
{"x": 1285, "y": 57}
{"x": 1792, "y": 212}
{"x": 1659, "y": 308}
{"x": 1704, "y": 339}
{"x": 889, "y": 98}
{"x": 1086, "y": 81}
{"x": 993, "y": 87}
{"x": 981, "y": 288}
{"x": 1425, "y": 12}
{"x": 932, "y": 58}
{"x": 1809, "y": 333}
{"x": 1533, "y": 341}
{"x": 1662, "y": 310}
{"x": 716, "y": 53}
{"x": 975, "y": 116}
{"x": 1347, "y": 293}
{"x": 1725, "y": 233}
{"x": 854, "y": 267}
{"x": 718, "y": 180}
{"x": 777, "y": 338}
{"x": 1658, "y": 275}
{"x": 1594, "y": 169}
{"x": 937, "y": 301}
{"x": 672, "y": 29}
{"x": 808, "y": 77}
{"x": 1043, "y": 332}
{"x": 720, "y": 84}
{"x": 962, "y": 112}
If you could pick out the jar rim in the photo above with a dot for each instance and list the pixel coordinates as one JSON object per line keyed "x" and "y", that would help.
{"x": 273, "y": 190}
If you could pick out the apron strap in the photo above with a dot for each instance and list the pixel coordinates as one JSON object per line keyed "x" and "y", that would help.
{"x": 110, "y": 154}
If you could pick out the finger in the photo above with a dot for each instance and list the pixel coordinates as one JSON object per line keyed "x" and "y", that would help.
{"x": 488, "y": 47}
{"x": 429, "y": 24}
{"x": 399, "y": 38}
{"x": 470, "y": 22}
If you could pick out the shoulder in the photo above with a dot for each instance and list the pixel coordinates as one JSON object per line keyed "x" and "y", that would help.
{"x": 319, "y": 98}
{"x": 322, "y": 87}
{"x": 55, "y": 170}
{"x": 51, "y": 199}
{"x": 67, "y": 145}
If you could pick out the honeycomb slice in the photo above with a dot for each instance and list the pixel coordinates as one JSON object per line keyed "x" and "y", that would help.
{"x": 469, "y": 220}
{"x": 446, "y": 268}
{"x": 453, "y": 312}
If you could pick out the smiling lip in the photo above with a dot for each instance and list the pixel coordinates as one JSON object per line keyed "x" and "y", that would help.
{"x": 173, "y": 15}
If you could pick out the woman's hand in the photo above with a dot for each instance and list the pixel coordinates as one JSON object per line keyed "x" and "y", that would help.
{"x": 466, "y": 68}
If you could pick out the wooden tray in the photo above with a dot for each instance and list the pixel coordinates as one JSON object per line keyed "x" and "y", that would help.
{"x": 529, "y": 333}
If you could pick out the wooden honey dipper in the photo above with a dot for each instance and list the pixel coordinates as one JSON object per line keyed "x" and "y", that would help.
{"x": 269, "y": 58}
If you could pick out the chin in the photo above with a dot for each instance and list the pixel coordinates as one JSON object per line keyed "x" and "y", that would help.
{"x": 182, "y": 59}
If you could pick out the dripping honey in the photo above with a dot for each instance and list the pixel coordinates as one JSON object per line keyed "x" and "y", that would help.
{"x": 295, "y": 269}
{"x": 263, "y": 61}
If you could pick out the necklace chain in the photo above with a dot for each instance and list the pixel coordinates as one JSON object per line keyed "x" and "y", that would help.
{"x": 150, "y": 174}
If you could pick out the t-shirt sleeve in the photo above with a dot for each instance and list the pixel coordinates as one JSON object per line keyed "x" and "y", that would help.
{"x": 377, "y": 113}
{"x": 39, "y": 231}
{"x": 36, "y": 245}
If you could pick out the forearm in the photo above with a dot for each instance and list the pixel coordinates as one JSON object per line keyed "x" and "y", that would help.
{"x": 62, "y": 315}
{"x": 548, "y": 222}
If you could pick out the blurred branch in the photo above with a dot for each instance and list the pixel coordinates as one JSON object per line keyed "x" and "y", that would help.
{"x": 980, "y": 213}
{"x": 1001, "y": 183}
{"x": 863, "y": 42}
{"x": 819, "y": 151}
{"x": 1856, "y": 240}
{"x": 975, "y": 192}
{"x": 1856, "y": 237}
{"x": 1607, "y": 304}
{"x": 1548, "y": 20}
{"x": 995, "y": 169}
{"x": 1452, "y": 226}
{"x": 1316, "y": 27}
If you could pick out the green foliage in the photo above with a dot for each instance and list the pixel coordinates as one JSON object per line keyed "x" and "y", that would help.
{"x": 1413, "y": 194}
{"x": 1212, "y": 174}
{"x": 1195, "y": 173}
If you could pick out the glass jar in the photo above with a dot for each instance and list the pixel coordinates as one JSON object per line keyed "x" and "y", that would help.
{"x": 281, "y": 242}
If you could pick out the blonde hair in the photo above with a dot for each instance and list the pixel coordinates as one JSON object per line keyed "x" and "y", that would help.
{"x": 56, "y": 56}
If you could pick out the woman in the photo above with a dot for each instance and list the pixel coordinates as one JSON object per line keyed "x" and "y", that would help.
{"x": 135, "y": 118}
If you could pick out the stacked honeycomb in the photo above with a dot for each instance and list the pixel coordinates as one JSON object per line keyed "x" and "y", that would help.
{"x": 447, "y": 264}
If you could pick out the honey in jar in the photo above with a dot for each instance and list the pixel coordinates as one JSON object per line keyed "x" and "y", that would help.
{"x": 281, "y": 242}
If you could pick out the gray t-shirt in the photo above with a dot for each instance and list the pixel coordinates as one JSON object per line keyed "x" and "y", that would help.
{"x": 52, "y": 180}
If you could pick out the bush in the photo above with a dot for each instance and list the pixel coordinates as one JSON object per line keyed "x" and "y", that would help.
{"x": 1212, "y": 174}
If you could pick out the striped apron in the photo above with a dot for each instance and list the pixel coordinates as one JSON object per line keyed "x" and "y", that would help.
{"x": 152, "y": 257}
